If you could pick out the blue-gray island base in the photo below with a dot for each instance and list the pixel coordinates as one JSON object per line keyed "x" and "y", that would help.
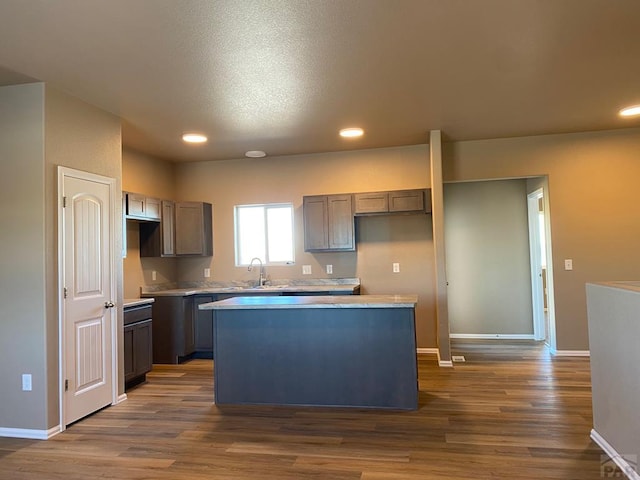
{"x": 340, "y": 351}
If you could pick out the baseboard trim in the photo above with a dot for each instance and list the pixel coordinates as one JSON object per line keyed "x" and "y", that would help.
{"x": 29, "y": 433}
{"x": 444, "y": 363}
{"x": 629, "y": 470}
{"x": 571, "y": 353}
{"x": 431, "y": 350}
{"x": 499, "y": 336}
{"x": 120, "y": 399}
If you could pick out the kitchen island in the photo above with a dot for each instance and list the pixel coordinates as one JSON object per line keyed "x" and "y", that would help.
{"x": 346, "y": 351}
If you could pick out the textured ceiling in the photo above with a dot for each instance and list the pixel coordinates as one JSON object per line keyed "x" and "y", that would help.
{"x": 284, "y": 75}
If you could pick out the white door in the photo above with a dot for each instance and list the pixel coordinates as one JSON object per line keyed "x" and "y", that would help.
{"x": 87, "y": 313}
{"x": 538, "y": 264}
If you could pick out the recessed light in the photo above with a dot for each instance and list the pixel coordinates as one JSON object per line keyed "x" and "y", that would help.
{"x": 255, "y": 154}
{"x": 194, "y": 138}
{"x": 351, "y": 132}
{"x": 630, "y": 111}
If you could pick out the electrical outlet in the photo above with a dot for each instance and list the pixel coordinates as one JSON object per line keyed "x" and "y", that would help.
{"x": 26, "y": 382}
{"x": 396, "y": 268}
{"x": 306, "y": 269}
{"x": 207, "y": 272}
{"x": 154, "y": 275}
{"x": 568, "y": 264}
{"x": 329, "y": 269}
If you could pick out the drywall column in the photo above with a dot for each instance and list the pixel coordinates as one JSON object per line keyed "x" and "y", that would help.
{"x": 437, "y": 218}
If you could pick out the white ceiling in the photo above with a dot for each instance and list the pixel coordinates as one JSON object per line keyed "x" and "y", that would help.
{"x": 284, "y": 75}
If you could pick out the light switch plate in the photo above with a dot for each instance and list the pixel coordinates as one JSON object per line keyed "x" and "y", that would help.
{"x": 329, "y": 269}
{"x": 568, "y": 264}
{"x": 306, "y": 269}
{"x": 154, "y": 275}
{"x": 207, "y": 272}
{"x": 26, "y": 382}
{"x": 396, "y": 268}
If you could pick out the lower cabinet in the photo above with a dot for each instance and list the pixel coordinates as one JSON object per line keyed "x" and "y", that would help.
{"x": 173, "y": 329}
{"x": 138, "y": 340}
{"x": 203, "y": 326}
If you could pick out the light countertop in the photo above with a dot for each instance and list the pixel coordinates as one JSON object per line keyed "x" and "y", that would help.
{"x": 633, "y": 286}
{"x": 330, "y": 286}
{"x": 321, "y": 301}
{"x": 134, "y": 302}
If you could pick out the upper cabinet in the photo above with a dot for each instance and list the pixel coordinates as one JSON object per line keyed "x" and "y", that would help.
{"x": 141, "y": 207}
{"x": 194, "y": 229}
{"x": 400, "y": 201}
{"x": 328, "y": 223}
{"x": 186, "y": 229}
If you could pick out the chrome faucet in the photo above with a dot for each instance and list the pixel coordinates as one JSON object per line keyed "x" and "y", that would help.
{"x": 261, "y": 279}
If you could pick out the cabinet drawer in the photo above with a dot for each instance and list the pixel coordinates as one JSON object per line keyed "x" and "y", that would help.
{"x": 135, "y": 314}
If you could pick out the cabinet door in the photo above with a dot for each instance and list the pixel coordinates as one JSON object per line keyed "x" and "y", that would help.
{"x": 341, "y": 222}
{"x": 203, "y": 324}
{"x": 135, "y": 205}
{"x": 377, "y": 202}
{"x": 406, "y": 201}
{"x": 152, "y": 208}
{"x": 143, "y": 352}
{"x": 168, "y": 228}
{"x": 189, "y": 345}
{"x": 316, "y": 233}
{"x": 194, "y": 229}
{"x": 129, "y": 357}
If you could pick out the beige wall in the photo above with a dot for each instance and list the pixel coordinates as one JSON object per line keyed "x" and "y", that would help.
{"x": 155, "y": 178}
{"x": 487, "y": 249}
{"x": 381, "y": 240}
{"x": 594, "y": 208}
{"x": 41, "y": 128}
{"x": 23, "y": 346}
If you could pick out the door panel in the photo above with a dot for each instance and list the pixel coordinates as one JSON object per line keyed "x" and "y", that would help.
{"x": 87, "y": 279}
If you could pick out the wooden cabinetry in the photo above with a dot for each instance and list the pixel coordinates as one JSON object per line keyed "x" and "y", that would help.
{"x": 328, "y": 223}
{"x": 194, "y": 229}
{"x": 203, "y": 326}
{"x": 138, "y": 343}
{"x": 174, "y": 333}
{"x": 185, "y": 229}
{"x": 400, "y": 201}
{"x": 142, "y": 207}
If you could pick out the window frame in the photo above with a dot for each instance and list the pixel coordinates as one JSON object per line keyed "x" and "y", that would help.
{"x": 266, "y": 207}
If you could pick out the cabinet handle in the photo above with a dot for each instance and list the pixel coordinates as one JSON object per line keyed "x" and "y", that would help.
{"x": 108, "y": 305}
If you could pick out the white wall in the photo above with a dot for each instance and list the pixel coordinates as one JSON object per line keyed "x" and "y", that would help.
{"x": 487, "y": 255}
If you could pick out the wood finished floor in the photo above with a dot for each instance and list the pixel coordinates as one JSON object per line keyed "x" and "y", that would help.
{"x": 509, "y": 412}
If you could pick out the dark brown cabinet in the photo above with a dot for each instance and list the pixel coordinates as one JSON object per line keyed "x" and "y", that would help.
{"x": 185, "y": 230}
{"x": 203, "y": 326}
{"x": 141, "y": 207}
{"x": 328, "y": 223}
{"x": 194, "y": 229}
{"x": 138, "y": 341}
{"x": 173, "y": 329}
{"x": 400, "y": 201}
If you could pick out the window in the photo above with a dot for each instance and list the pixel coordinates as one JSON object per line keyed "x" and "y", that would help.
{"x": 264, "y": 231}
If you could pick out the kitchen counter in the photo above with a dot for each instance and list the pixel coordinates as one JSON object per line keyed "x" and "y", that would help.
{"x": 135, "y": 302}
{"x": 345, "y": 286}
{"x": 325, "y": 301}
{"x": 346, "y": 351}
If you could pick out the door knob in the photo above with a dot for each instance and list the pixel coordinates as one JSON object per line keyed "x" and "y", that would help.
{"x": 108, "y": 305}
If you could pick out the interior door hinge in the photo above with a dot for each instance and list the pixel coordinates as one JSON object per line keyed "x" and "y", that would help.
{"x": 66, "y": 385}
{"x": 64, "y": 202}
{"x": 64, "y": 292}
